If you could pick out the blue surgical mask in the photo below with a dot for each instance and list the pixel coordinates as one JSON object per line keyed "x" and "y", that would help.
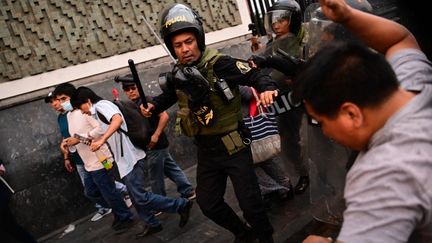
{"x": 67, "y": 106}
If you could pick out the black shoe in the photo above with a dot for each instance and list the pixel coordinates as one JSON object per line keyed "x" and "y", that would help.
{"x": 115, "y": 221}
{"x": 267, "y": 203}
{"x": 149, "y": 230}
{"x": 245, "y": 236}
{"x": 184, "y": 214}
{"x": 302, "y": 185}
{"x": 123, "y": 225}
{"x": 285, "y": 195}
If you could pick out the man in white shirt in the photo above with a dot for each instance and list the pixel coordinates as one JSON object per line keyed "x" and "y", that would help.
{"x": 130, "y": 162}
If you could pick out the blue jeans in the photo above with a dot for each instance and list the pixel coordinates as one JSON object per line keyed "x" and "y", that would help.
{"x": 83, "y": 174}
{"x": 101, "y": 189}
{"x": 154, "y": 168}
{"x": 146, "y": 202}
{"x": 161, "y": 163}
{"x": 175, "y": 173}
{"x": 120, "y": 187}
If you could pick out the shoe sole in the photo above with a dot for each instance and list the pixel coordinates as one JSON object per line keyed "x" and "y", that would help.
{"x": 137, "y": 236}
{"x": 192, "y": 197}
{"x": 93, "y": 219}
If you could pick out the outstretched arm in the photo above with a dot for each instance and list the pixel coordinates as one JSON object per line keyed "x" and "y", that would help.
{"x": 379, "y": 33}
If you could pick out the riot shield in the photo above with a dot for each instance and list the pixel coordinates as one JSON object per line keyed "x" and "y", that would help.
{"x": 314, "y": 24}
{"x": 326, "y": 159}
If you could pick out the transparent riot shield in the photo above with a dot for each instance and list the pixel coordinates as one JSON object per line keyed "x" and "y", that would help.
{"x": 326, "y": 159}
{"x": 315, "y": 23}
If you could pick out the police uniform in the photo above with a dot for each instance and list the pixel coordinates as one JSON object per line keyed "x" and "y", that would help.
{"x": 210, "y": 110}
{"x": 215, "y": 163}
{"x": 289, "y": 123}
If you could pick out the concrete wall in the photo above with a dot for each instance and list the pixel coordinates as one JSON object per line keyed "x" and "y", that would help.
{"x": 47, "y": 196}
{"x": 47, "y": 35}
{"x": 70, "y": 40}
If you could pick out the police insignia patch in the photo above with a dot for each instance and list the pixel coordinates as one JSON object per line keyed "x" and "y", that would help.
{"x": 243, "y": 67}
{"x": 204, "y": 115}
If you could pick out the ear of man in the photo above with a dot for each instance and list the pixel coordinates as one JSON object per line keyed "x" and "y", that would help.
{"x": 352, "y": 114}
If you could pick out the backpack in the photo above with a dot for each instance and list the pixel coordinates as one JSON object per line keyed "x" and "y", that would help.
{"x": 138, "y": 126}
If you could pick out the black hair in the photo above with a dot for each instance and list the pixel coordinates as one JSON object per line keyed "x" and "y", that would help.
{"x": 64, "y": 89}
{"x": 82, "y": 95}
{"x": 344, "y": 72}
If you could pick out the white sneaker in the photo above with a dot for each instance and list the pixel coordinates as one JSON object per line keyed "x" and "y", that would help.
{"x": 100, "y": 214}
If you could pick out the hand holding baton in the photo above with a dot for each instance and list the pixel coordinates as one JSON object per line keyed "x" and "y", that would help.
{"x": 137, "y": 82}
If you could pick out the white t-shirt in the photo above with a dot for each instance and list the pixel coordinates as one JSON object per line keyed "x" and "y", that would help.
{"x": 118, "y": 140}
{"x": 388, "y": 190}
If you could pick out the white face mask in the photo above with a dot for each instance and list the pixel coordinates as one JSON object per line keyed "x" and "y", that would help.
{"x": 92, "y": 109}
{"x": 67, "y": 106}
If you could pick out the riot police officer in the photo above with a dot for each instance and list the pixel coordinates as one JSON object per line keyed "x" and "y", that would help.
{"x": 205, "y": 84}
{"x": 284, "y": 22}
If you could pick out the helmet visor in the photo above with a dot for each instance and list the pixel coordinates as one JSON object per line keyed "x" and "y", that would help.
{"x": 275, "y": 16}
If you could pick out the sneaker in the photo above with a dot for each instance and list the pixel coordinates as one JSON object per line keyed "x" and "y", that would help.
{"x": 100, "y": 214}
{"x": 191, "y": 195}
{"x": 184, "y": 214}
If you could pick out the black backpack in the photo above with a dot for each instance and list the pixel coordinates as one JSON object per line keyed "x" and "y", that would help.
{"x": 138, "y": 126}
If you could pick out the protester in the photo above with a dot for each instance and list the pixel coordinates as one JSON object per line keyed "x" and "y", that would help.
{"x": 205, "y": 83}
{"x": 99, "y": 180}
{"x": 382, "y": 108}
{"x": 130, "y": 162}
{"x": 158, "y": 156}
{"x": 72, "y": 160}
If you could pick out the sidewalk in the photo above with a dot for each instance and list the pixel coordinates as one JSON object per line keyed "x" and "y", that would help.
{"x": 290, "y": 219}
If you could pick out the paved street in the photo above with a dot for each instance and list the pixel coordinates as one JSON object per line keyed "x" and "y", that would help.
{"x": 292, "y": 221}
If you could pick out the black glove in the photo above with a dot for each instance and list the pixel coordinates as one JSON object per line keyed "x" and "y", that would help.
{"x": 190, "y": 81}
{"x": 260, "y": 61}
{"x": 287, "y": 65}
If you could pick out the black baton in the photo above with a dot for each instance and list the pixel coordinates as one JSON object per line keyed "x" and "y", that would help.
{"x": 137, "y": 82}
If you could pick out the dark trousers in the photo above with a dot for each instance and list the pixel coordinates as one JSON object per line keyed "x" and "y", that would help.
{"x": 292, "y": 149}
{"x": 215, "y": 165}
{"x": 9, "y": 227}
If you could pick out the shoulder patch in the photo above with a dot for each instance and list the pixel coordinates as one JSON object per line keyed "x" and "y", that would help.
{"x": 243, "y": 67}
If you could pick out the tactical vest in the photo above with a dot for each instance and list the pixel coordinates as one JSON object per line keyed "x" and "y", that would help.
{"x": 226, "y": 114}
